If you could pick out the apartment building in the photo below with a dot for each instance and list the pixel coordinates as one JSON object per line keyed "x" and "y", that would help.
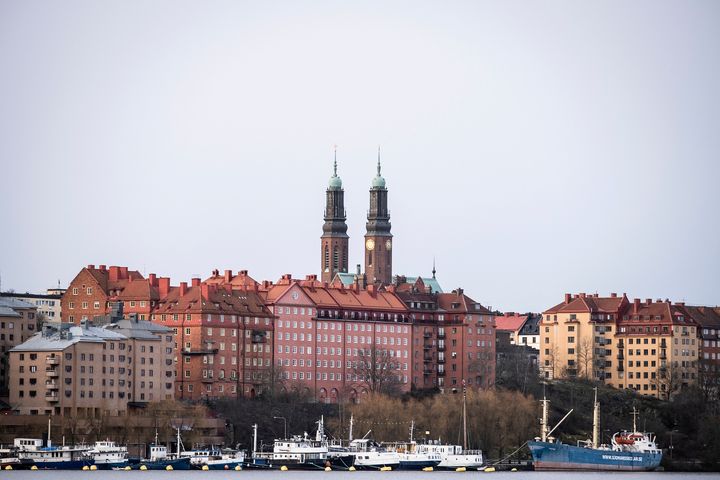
{"x": 17, "y": 323}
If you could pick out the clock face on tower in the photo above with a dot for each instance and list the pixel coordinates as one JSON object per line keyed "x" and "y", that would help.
{"x": 388, "y": 245}
{"x": 370, "y": 244}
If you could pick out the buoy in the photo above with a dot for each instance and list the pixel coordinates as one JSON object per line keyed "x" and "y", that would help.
{"x": 328, "y": 469}
{"x": 226, "y": 467}
{"x": 513, "y": 469}
{"x": 490, "y": 469}
{"x": 143, "y": 467}
{"x": 385, "y": 469}
{"x": 93, "y": 467}
{"x": 204, "y": 467}
{"x": 34, "y": 467}
{"x": 85, "y": 468}
{"x": 169, "y": 468}
{"x": 351, "y": 469}
{"x": 283, "y": 468}
{"x": 238, "y": 468}
{"x": 128, "y": 468}
{"x": 460, "y": 469}
{"x": 9, "y": 467}
{"x": 427, "y": 469}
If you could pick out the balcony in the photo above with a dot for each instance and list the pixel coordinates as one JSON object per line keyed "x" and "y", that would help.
{"x": 441, "y": 348}
{"x": 441, "y": 361}
{"x": 427, "y": 371}
{"x": 51, "y": 372}
{"x": 620, "y": 367}
{"x": 52, "y": 360}
{"x": 427, "y": 346}
{"x": 663, "y": 355}
{"x": 52, "y": 397}
{"x": 427, "y": 335}
{"x": 620, "y": 355}
{"x": 200, "y": 351}
{"x": 441, "y": 335}
{"x": 427, "y": 359}
{"x": 441, "y": 373}
{"x": 52, "y": 385}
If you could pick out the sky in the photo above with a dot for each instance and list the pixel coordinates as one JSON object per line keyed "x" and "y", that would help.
{"x": 531, "y": 148}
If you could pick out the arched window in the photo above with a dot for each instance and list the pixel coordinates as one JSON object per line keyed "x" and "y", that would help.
{"x": 335, "y": 257}
{"x": 327, "y": 258}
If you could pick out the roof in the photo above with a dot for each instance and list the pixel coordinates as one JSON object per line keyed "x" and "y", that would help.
{"x": 510, "y": 323}
{"x": 15, "y": 303}
{"x": 211, "y": 298}
{"x": 64, "y": 335}
{"x": 30, "y": 295}
{"x": 8, "y": 312}
{"x": 531, "y": 325}
{"x": 706, "y": 317}
{"x": 429, "y": 282}
{"x": 582, "y": 303}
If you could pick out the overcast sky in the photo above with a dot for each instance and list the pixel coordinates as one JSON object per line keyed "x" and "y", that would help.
{"x": 533, "y": 148}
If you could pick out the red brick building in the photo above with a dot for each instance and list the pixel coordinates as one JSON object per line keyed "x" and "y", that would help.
{"x": 223, "y": 340}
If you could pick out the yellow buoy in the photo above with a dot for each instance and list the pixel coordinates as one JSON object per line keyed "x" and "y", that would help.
{"x": 460, "y": 469}
{"x": 328, "y": 469}
{"x": 85, "y": 467}
{"x": 93, "y": 467}
{"x": 428, "y": 469}
{"x": 513, "y": 469}
{"x": 490, "y": 469}
{"x": 351, "y": 469}
{"x": 169, "y": 468}
{"x": 283, "y": 468}
{"x": 204, "y": 467}
{"x": 143, "y": 467}
{"x": 128, "y": 468}
{"x": 34, "y": 467}
{"x": 385, "y": 469}
{"x": 9, "y": 467}
{"x": 238, "y": 468}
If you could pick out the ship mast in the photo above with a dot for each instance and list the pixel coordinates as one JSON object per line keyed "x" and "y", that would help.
{"x": 596, "y": 422}
{"x": 255, "y": 430}
{"x": 49, "y": 442}
{"x": 464, "y": 411}
{"x": 412, "y": 429}
{"x": 634, "y": 414}
{"x": 352, "y": 421}
{"x": 544, "y": 427}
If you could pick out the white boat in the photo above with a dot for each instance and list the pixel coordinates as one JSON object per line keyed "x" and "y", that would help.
{"x": 454, "y": 456}
{"x": 108, "y": 455}
{"x": 214, "y": 458}
{"x": 51, "y": 457}
{"x": 369, "y": 455}
{"x": 410, "y": 457}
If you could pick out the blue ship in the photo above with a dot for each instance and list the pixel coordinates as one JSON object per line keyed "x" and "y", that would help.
{"x": 628, "y": 451}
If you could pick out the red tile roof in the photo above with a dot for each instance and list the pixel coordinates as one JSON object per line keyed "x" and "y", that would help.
{"x": 510, "y": 323}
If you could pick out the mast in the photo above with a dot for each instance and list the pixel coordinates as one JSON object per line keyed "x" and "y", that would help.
{"x": 178, "y": 442}
{"x": 412, "y": 429}
{"x": 544, "y": 427}
{"x": 352, "y": 421}
{"x": 255, "y": 428}
{"x": 596, "y": 422}
{"x": 320, "y": 433}
{"x": 464, "y": 413}
{"x": 634, "y": 414}
{"x": 49, "y": 442}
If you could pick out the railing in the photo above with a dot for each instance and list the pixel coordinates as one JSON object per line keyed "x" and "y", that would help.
{"x": 52, "y": 397}
{"x": 441, "y": 335}
{"x": 200, "y": 351}
{"x": 51, "y": 385}
{"x": 441, "y": 373}
{"x": 51, "y": 372}
{"x": 52, "y": 360}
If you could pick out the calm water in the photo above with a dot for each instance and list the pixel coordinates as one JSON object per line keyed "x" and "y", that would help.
{"x": 278, "y": 475}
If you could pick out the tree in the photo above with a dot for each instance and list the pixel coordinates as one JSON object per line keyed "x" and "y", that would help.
{"x": 668, "y": 380}
{"x": 585, "y": 359}
{"x": 377, "y": 371}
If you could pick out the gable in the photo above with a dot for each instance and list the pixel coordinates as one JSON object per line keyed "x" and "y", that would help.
{"x": 294, "y": 296}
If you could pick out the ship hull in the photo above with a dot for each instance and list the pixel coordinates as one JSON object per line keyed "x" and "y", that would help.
{"x": 558, "y": 456}
{"x": 176, "y": 464}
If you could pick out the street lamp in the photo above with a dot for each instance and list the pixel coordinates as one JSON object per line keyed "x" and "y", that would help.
{"x": 284, "y": 423}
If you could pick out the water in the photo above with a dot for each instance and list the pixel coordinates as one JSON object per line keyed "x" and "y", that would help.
{"x": 338, "y": 475}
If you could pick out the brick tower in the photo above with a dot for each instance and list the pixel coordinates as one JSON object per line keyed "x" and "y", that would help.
{"x": 334, "y": 240}
{"x": 378, "y": 239}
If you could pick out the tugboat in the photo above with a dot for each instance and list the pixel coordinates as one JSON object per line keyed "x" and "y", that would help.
{"x": 160, "y": 459}
{"x": 628, "y": 451}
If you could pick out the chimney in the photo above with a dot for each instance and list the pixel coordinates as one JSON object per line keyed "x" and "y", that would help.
{"x": 371, "y": 290}
{"x": 123, "y": 273}
{"x": 129, "y": 279}
{"x": 91, "y": 267}
{"x": 648, "y": 301}
{"x": 636, "y": 305}
{"x": 311, "y": 278}
{"x": 509, "y": 314}
{"x": 228, "y": 288}
{"x": 205, "y": 290}
{"x": 102, "y": 268}
{"x": 195, "y": 282}
{"x": 152, "y": 278}
{"x": 114, "y": 273}
{"x": 459, "y": 292}
{"x": 243, "y": 273}
{"x": 390, "y": 288}
{"x": 582, "y": 295}
{"x": 613, "y": 295}
{"x": 163, "y": 284}
{"x": 568, "y": 297}
{"x": 183, "y": 288}
{"x": 357, "y": 269}
{"x": 228, "y": 276}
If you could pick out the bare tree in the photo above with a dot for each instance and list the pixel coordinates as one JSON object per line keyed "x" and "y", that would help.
{"x": 668, "y": 380}
{"x": 377, "y": 371}
{"x": 585, "y": 359}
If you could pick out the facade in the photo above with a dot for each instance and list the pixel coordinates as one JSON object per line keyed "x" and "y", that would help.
{"x": 509, "y": 326}
{"x": 222, "y": 339}
{"x": 17, "y": 323}
{"x": 89, "y": 370}
{"x": 708, "y": 325}
{"x": 378, "y": 239}
{"x": 48, "y": 304}
{"x": 649, "y": 346}
{"x": 529, "y": 333}
{"x": 334, "y": 240}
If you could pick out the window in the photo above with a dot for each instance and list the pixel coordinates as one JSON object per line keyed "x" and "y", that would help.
{"x": 89, "y": 290}
{"x": 75, "y": 290}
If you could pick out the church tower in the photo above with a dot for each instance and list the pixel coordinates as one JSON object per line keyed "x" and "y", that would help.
{"x": 378, "y": 239}
{"x": 334, "y": 240}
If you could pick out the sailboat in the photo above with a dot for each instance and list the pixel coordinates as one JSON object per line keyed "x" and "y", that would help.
{"x": 627, "y": 451}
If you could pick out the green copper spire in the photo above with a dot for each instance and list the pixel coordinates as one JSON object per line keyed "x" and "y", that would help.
{"x": 335, "y": 181}
{"x": 378, "y": 181}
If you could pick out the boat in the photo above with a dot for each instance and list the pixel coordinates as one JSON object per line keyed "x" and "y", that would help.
{"x": 215, "y": 459}
{"x": 160, "y": 459}
{"x": 300, "y": 452}
{"x": 628, "y": 451}
{"x": 456, "y": 456}
{"x": 365, "y": 453}
{"x": 44, "y": 455}
{"x": 412, "y": 458}
{"x": 107, "y": 455}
